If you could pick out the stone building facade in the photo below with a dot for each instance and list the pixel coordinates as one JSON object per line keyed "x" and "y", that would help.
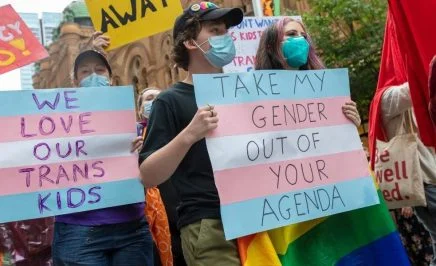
{"x": 144, "y": 63}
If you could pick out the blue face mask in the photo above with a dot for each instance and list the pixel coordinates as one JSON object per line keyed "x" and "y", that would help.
{"x": 296, "y": 51}
{"x": 222, "y": 50}
{"x": 95, "y": 80}
{"x": 147, "y": 109}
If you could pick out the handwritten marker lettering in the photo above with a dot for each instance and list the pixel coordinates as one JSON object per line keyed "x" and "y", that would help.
{"x": 284, "y": 152}
{"x": 67, "y": 153}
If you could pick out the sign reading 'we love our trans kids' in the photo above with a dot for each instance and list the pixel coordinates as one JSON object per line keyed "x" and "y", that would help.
{"x": 66, "y": 151}
{"x": 283, "y": 152}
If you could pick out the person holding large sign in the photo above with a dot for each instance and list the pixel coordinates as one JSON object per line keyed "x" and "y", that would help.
{"x": 175, "y": 145}
{"x": 286, "y": 45}
{"x": 111, "y": 236}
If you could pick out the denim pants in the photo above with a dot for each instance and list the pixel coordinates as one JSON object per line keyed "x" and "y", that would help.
{"x": 124, "y": 244}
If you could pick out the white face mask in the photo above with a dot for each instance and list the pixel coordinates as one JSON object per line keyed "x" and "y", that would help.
{"x": 147, "y": 109}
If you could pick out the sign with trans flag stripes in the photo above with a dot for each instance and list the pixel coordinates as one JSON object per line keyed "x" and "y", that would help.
{"x": 66, "y": 151}
{"x": 283, "y": 152}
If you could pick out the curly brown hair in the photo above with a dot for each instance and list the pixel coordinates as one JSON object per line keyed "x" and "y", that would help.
{"x": 192, "y": 29}
{"x": 179, "y": 53}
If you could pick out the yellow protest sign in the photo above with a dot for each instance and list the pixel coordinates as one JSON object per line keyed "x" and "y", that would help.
{"x": 125, "y": 21}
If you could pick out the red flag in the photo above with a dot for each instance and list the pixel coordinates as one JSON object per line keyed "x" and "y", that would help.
{"x": 432, "y": 89}
{"x": 409, "y": 45}
{"x": 18, "y": 45}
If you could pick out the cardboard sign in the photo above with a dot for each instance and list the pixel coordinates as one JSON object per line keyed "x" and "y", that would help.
{"x": 18, "y": 45}
{"x": 66, "y": 151}
{"x": 126, "y": 21}
{"x": 283, "y": 151}
{"x": 246, "y": 37}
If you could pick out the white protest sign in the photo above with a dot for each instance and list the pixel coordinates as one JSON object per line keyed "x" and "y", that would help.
{"x": 246, "y": 37}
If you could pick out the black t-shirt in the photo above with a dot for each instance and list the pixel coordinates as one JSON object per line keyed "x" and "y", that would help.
{"x": 193, "y": 180}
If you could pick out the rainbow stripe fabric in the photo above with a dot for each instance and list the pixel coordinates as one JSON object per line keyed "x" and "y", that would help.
{"x": 366, "y": 237}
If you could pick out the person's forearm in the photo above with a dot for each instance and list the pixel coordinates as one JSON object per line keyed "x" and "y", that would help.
{"x": 162, "y": 164}
{"x": 395, "y": 101}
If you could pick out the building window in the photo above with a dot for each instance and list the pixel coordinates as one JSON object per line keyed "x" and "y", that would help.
{"x": 136, "y": 88}
{"x": 116, "y": 81}
{"x": 168, "y": 77}
{"x": 144, "y": 77}
{"x": 135, "y": 83}
{"x": 137, "y": 62}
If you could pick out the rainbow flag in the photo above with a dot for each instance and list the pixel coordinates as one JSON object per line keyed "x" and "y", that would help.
{"x": 366, "y": 237}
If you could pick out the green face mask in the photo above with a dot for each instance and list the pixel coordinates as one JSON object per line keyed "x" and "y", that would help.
{"x": 296, "y": 51}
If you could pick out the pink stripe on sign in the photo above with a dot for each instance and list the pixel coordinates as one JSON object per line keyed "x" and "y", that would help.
{"x": 17, "y": 128}
{"x": 63, "y": 175}
{"x": 239, "y": 184}
{"x": 279, "y": 115}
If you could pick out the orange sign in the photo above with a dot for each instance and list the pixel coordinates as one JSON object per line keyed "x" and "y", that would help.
{"x": 18, "y": 45}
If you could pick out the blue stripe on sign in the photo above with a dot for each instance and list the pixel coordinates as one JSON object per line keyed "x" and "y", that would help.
{"x": 14, "y": 103}
{"x": 232, "y": 88}
{"x": 386, "y": 251}
{"x": 27, "y": 206}
{"x": 265, "y": 213}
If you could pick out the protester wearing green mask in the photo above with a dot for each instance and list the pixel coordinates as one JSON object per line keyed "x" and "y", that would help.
{"x": 286, "y": 45}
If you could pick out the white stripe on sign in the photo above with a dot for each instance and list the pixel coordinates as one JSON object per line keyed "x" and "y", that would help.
{"x": 252, "y": 149}
{"x": 35, "y": 152}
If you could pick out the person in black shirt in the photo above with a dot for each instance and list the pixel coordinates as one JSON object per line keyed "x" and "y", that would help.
{"x": 175, "y": 146}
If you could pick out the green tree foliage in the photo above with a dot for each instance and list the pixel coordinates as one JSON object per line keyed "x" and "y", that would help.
{"x": 349, "y": 33}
